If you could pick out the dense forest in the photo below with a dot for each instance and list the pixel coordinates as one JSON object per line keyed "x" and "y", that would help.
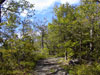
{"x": 74, "y": 35}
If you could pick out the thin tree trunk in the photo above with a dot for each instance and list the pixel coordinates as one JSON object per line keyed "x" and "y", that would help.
{"x": 65, "y": 55}
{"x": 1, "y": 59}
{"x": 0, "y": 13}
{"x": 91, "y": 37}
{"x": 42, "y": 39}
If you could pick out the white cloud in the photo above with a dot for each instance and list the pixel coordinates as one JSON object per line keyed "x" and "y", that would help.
{"x": 70, "y": 1}
{"x": 24, "y": 13}
{"x": 44, "y": 4}
{"x": 41, "y": 6}
{"x": 19, "y": 35}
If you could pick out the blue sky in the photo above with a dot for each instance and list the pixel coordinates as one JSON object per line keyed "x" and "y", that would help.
{"x": 44, "y": 8}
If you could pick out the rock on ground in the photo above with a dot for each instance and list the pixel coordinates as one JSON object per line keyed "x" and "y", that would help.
{"x": 49, "y": 66}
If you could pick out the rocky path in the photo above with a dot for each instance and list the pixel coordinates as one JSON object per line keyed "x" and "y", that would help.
{"x": 49, "y": 66}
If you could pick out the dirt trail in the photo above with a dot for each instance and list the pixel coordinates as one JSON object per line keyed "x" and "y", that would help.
{"x": 49, "y": 66}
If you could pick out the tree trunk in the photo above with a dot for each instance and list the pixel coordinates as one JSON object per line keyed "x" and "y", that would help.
{"x": 0, "y": 13}
{"x": 91, "y": 37}
{"x": 91, "y": 42}
{"x": 42, "y": 39}
{"x": 65, "y": 55}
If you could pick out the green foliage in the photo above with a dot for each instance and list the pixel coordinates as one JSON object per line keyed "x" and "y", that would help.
{"x": 84, "y": 69}
{"x": 17, "y": 54}
{"x": 74, "y": 33}
{"x": 74, "y": 29}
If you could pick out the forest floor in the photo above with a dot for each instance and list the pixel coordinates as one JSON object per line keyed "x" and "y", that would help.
{"x": 49, "y": 66}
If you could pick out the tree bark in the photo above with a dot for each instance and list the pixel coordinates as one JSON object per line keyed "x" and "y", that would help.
{"x": 42, "y": 39}
{"x": 65, "y": 55}
{"x": 0, "y": 13}
{"x": 91, "y": 37}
